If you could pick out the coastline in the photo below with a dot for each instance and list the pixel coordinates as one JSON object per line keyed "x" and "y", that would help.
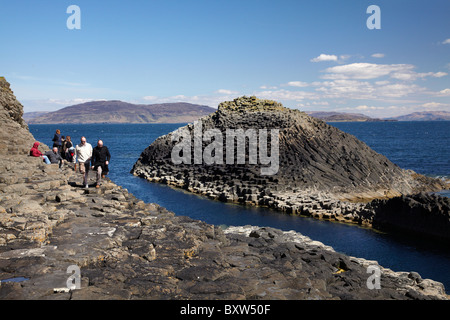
{"x": 320, "y": 171}
{"x": 128, "y": 249}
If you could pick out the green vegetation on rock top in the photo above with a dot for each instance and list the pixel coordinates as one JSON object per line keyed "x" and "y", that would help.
{"x": 245, "y": 104}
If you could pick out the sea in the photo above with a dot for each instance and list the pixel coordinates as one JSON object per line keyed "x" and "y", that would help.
{"x": 423, "y": 147}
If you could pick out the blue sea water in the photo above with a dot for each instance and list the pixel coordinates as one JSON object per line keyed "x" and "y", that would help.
{"x": 421, "y": 146}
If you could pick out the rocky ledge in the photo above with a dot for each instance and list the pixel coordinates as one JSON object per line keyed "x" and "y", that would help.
{"x": 128, "y": 249}
{"x": 323, "y": 172}
{"x": 50, "y": 227}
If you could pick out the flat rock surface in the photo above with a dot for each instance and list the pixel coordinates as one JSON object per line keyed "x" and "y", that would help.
{"x": 127, "y": 249}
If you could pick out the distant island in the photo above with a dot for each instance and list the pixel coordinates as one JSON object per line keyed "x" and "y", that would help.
{"x": 359, "y": 117}
{"x": 121, "y": 112}
{"x": 343, "y": 117}
{"x": 115, "y": 111}
{"x": 425, "y": 116}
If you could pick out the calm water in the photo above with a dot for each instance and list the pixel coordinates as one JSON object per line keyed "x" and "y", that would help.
{"x": 421, "y": 146}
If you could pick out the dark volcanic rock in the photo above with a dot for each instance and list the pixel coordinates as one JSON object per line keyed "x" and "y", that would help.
{"x": 128, "y": 249}
{"x": 14, "y": 135}
{"x": 323, "y": 172}
{"x": 419, "y": 214}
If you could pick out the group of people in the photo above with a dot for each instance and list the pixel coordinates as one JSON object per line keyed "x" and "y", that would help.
{"x": 83, "y": 155}
{"x": 64, "y": 145}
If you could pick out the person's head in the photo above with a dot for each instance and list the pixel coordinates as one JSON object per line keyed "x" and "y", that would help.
{"x": 58, "y": 131}
{"x": 55, "y": 150}
{"x": 36, "y": 144}
{"x": 83, "y": 140}
{"x": 68, "y": 138}
{"x": 100, "y": 143}
{"x": 62, "y": 137}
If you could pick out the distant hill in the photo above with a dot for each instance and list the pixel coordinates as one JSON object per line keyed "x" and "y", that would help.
{"x": 27, "y": 116}
{"x": 122, "y": 112}
{"x": 342, "y": 116}
{"x": 425, "y": 116}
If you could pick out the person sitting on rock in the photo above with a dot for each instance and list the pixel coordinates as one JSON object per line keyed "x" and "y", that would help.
{"x": 54, "y": 156}
{"x": 100, "y": 161}
{"x": 35, "y": 152}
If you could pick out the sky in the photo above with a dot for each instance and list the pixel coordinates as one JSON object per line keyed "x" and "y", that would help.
{"x": 311, "y": 55}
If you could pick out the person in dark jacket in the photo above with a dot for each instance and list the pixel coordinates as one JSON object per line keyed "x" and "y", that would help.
{"x": 100, "y": 161}
{"x": 54, "y": 156}
{"x": 57, "y": 140}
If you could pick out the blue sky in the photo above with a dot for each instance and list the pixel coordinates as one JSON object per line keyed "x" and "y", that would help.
{"x": 310, "y": 55}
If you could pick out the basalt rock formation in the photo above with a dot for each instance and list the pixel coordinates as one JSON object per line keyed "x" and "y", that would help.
{"x": 419, "y": 214}
{"x": 323, "y": 172}
{"x": 15, "y": 137}
{"x": 127, "y": 249}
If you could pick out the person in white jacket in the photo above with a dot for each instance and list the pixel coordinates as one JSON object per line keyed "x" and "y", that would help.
{"x": 83, "y": 153}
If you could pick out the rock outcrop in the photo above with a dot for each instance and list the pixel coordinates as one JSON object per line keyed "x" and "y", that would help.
{"x": 127, "y": 249}
{"x": 323, "y": 172}
{"x": 420, "y": 214}
{"x": 15, "y": 137}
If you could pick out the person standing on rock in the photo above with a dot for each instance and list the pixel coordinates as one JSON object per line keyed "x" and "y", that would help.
{"x": 83, "y": 152}
{"x": 69, "y": 150}
{"x": 57, "y": 140}
{"x": 100, "y": 161}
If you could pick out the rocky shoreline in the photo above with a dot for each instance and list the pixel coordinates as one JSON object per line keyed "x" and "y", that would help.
{"x": 324, "y": 173}
{"x": 128, "y": 249}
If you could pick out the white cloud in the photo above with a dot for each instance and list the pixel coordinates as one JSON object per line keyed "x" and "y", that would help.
{"x": 225, "y": 91}
{"x": 439, "y": 74}
{"x": 264, "y": 87}
{"x": 398, "y": 90}
{"x": 344, "y": 56}
{"x": 286, "y": 95}
{"x": 364, "y": 107}
{"x": 348, "y": 89}
{"x": 299, "y": 84}
{"x": 433, "y": 105}
{"x": 445, "y": 92}
{"x": 325, "y": 57}
{"x": 53, "y": 104}
{"x": 446, "y": 41}
{"x": 378, "y": 55}
{"x": 365, "y": 71}
{"x": 211, "y": 100}
{"x": 150, "y": 98}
